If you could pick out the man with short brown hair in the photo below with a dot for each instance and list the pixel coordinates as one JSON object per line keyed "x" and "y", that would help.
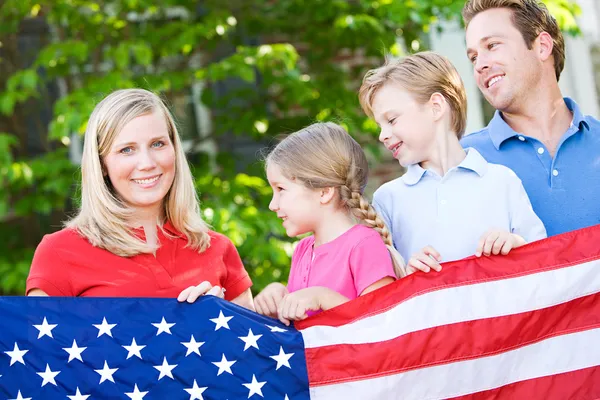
{"x": 517, "y": 51}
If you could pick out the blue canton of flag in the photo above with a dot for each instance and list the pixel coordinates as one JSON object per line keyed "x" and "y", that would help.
{"x": 119, "y": 348}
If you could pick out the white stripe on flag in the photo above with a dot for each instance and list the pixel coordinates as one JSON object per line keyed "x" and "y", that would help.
{"x": 550, "y": 357}
{"x": 464, "y": 303}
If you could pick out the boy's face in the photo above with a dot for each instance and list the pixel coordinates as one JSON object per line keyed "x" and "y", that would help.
{"x": 407, "y": 127}
{"x": 505, "y": 70}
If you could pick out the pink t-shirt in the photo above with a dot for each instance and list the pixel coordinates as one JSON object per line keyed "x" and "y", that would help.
{"x": 348, "y": 264}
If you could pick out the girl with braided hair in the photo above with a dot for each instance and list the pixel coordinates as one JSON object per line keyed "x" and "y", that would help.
{"x": 318, "y": 176}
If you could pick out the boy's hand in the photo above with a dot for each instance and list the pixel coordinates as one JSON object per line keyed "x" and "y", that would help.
{"x": 497, "y": 241}
{"x": 425, "y": 260}
{"x": 267, "y": 302}
{"x": 192, "y": 293}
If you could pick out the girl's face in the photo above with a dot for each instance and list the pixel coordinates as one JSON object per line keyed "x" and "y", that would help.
{"x": 407, "y": 127}
{"x": 298, "y": 206}
{"x": 141, "y": 163}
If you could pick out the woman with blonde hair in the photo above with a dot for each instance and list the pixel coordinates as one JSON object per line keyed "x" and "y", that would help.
{"x": 318, "y": 176}
{"x": 139, "y": 232}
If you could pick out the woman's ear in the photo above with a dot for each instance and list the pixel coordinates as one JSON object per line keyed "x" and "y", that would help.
{"x": 327, "y": 195}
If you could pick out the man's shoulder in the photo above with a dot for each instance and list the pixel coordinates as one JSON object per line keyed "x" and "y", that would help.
{"x": 477, "y": 139}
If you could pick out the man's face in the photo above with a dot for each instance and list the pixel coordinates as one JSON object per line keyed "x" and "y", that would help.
{"x": 504, "y": 68}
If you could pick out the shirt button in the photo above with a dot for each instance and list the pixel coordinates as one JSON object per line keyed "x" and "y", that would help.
{"x": 521, "y": 138}
{"x": 443, "y": 202}
{"x": 541, "y": 150}
{"x": 555, "y": 172}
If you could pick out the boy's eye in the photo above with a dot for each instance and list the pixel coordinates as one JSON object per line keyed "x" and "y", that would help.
{"x": 391, "y": 121}
{"x": 473, "y": 59}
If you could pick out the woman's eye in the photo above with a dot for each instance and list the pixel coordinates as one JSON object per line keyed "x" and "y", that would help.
{"x": 126, "y": 150}
{"x": 158, "y": 144}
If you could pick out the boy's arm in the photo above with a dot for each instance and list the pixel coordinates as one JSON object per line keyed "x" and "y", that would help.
{"x": 523, "y": 220}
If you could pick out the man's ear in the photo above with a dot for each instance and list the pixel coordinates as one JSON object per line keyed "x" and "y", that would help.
{"x": 327, "y": 195}
{"x": 545, "y": 45}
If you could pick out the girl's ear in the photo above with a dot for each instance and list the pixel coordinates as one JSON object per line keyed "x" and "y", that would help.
{"x": 327, "y": 195}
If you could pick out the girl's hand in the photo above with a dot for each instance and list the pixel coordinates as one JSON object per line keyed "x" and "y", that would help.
{"x": 497, "y": 242}
{"x": 267, "y": 302}
{"x": 425, "y": 260}
{"x": 294, "y": 306}
{"x": 192, "y": 293}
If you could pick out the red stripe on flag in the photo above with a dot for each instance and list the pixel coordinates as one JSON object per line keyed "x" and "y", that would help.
{"x": 556, "y": 252}
{"x": 449, "y": 343}
{"x": 583, "y": 384}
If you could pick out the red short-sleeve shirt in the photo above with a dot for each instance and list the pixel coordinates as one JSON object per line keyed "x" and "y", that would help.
{"x": 66, "y": 264}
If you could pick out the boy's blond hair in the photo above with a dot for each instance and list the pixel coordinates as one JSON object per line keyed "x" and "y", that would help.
{"x": 530, "y": 17}
{"x": 324, "y": 155}
{"x": 422, "y": 75}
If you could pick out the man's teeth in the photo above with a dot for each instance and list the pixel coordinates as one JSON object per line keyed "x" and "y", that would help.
{"x": 494, "y": 80}
{"x": 146, "y": 181}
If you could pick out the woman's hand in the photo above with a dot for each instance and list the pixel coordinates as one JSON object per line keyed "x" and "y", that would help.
{"x": 267, "y": 301}
{"x": 192, "y": 293}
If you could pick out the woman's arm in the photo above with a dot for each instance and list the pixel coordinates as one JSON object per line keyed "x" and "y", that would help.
{"x": 245, "y": 300}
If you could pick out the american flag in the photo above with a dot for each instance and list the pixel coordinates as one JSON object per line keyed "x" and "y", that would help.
{"x": 522, "y": 326}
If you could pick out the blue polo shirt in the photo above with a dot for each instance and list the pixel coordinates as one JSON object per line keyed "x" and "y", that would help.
{"x": 565, "y": 189}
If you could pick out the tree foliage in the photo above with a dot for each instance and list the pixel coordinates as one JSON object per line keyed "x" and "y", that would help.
{"x": 265, "y": 67}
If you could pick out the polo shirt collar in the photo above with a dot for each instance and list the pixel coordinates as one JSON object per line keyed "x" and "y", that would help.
{"x": 500, "y": 130}
{"x": 472, "y": 162}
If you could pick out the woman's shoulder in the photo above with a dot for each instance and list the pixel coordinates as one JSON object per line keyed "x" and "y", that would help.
{"x": 63, "y": 238}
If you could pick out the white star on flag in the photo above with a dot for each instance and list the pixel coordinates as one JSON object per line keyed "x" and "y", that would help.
{"x": 106, "y": 373}
{"x": 163, "y": 326}
{"x": 78, "y": 395}
{"x": 48, "y": 376}
{"x": 275, "y": 328}
{"x": 16, "y": 355}
{"x": 74, "y": 352}
{"x": 165, "y": 369}
{"x": 192, "y": 346}
{"x": 250, "y": 340}
{"x": 224, "y": 365}
{"x": 282, "y": 358}
{"x": 19, "y": 397}
{"x": 45, "y": 329}
{"x": 134, "y": 350}
{"x": 221, "y": 321}
{"x": 104, "y": 328}
{"x": 136, "y": 394}
{"x": 255, "y": 387}
{"x": 195, "y": 392}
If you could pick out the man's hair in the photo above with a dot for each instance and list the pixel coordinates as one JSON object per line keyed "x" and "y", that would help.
{"x": 530, "y": 17}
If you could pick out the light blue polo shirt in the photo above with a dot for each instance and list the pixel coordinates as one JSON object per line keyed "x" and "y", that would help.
{"x": 564, "y": 190}
{"x": 452, "y": 212}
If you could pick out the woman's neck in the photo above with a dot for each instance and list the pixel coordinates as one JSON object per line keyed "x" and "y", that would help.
{"x": 148, "y": 220}
{"x": 332, "y": 225}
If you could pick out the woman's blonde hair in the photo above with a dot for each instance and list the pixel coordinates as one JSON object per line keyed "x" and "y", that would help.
{"x": 421, "y": 74}
{"x": 103, "y": 217}
{"x": 324, "y": 155}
